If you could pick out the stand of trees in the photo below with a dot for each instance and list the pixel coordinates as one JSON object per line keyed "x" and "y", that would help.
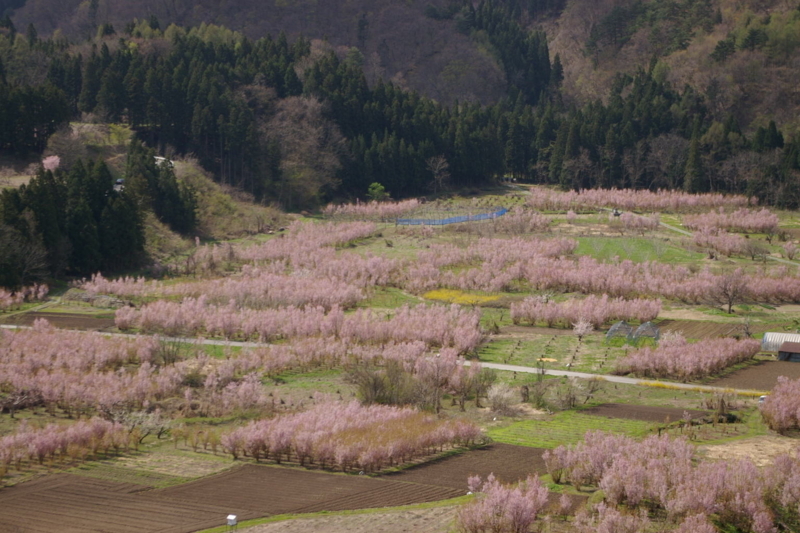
{"x": 233, "y": 103}
{"x": 78, "y": 223}
{"x": 71, "y": 222}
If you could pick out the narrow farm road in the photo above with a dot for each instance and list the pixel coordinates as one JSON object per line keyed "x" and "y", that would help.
{"x": 496, "y": 366}
{"x": 679, "y": 230}
{"x": 618, "y": 379}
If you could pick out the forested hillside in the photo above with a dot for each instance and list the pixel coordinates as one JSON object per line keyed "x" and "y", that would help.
{"x": 698, "y": 95}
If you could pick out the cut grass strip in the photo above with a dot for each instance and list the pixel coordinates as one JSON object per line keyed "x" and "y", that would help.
{"x": 565, "y": 428}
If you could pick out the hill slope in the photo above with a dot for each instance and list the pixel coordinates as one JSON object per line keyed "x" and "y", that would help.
{"x": 397, "y": 41}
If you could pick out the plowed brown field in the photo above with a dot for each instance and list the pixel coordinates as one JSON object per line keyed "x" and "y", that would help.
{"x": 71, "y": 503}
{"x": 762, "y": 376}
{"x": 63, "y": 320}
{"x": 507, "y": 462}
{"x": 698, "y": 329}
{"x": 65, "y": 503}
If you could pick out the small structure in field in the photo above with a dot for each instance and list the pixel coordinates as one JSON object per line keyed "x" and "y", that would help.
{"x": 773, "y": 340}
{"x": 620, "y": 329}
{"x": 789, "y": 351}
{"x": 648, "y": 329}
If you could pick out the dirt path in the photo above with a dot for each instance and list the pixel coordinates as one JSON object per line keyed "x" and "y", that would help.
{"x": 619, "y": 379}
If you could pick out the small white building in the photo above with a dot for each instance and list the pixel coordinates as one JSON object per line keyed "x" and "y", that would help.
{"x": 772, "y": 341}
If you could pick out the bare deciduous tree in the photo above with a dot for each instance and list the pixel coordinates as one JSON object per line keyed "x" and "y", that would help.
{"x": 439, "y": 167}
{"x": 666, "y": 161}
{"x": 310, "y": 146}
{"x": 730, "y": 288}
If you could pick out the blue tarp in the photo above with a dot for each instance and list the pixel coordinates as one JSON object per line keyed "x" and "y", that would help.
{"x": 451, "y": 220}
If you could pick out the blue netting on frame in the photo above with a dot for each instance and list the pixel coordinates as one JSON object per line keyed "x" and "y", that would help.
{"x": 451, "y": 220}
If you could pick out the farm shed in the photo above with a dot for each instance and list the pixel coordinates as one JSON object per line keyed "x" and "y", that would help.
{"x": 772, "y": 341}
{"x": 789, "y": 351}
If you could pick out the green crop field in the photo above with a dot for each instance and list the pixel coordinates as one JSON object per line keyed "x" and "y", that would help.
{"x": 567, "y": 427}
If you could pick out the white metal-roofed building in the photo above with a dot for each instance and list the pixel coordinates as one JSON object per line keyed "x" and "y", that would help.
{"x": 772, "y": 340}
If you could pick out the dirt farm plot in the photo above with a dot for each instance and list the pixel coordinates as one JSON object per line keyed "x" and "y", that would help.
{"x": 271, "y": 490}
{"x": 71, "y": 503}
{"x": 63, "y": 320}
{"x": 762, "y": 376}
{"x": 67, "y": 503}
{"x": 697, "y": 329}
{"x": 507, "y": 462}
{"x": 645, "y": 413}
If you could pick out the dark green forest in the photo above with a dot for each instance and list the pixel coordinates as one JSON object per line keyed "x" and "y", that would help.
{"x": 299, "y": 124}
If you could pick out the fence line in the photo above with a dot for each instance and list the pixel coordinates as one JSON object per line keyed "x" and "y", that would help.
{"x": 451, "y": 220}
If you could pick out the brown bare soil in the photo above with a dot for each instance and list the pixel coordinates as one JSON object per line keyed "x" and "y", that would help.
{"x": 63, "y": 320}
{"x": 71, "y": 503}
{"x": 641, "y": 412}
{"x": 697, "y": 329}
{"x": 761, "y": 376}
{"x": 507, "y": 462}
{"x": 67, "y": 503}
{"x": 271, "y": 490}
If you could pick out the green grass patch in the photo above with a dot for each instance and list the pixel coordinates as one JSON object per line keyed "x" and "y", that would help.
{"x": 592, "y": 355}
{"x": 637, "y": 249}
{"x": 389, "y": 298}
{"x": 567, "y": 427}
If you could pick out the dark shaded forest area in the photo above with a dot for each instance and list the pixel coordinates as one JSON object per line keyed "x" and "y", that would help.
{"x": 299, "y": 123}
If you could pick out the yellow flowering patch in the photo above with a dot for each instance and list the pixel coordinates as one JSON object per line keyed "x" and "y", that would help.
{"x": 459, "y": 297}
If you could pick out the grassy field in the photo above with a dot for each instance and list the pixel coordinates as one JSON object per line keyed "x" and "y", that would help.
{"x": 565, "y": 428}
{"x": 637, "y": 249}
{"x": 593, "y": 354}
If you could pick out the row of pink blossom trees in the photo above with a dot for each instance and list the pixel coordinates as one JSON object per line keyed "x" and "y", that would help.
{"x": 381, "y": 211}
{"x": 628, "y": 279}
{"x": 83, "y": 372}
{"x": 349, "y": 436}
{"x": 630, "y": 200}
{"x": 499, "y": 508}
{"x": 13, "y": 299}
{"x": 75, "y": 442}
{"x": 781, "y": 408}
{"x": 255, "y": 288}
{"x": 304, "y": 238}
{"x": 597, "y": 310}
{"x": 435, "y": 325}
{"x": 741, "y": 220}
{"x": 676, "y": 358}
{"x": 519, "y": 221}
{"x": 491, "y": 264}
{"x": 639, "y": 223}
{"x": 664, "y": 475}
{"x": 720, "y": 241}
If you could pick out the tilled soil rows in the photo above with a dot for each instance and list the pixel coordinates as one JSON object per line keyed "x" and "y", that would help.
{"x": 645, "y": 413}
{"x": 274, "y": 490}
{"x": 762, "y": 376}
{"x": 70, "y": 503}
{"x": 697, "y": 329}
{"x": 507, "y": 462}
{"x": 63, "y": 320}
{"x": 67, "y": 503}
